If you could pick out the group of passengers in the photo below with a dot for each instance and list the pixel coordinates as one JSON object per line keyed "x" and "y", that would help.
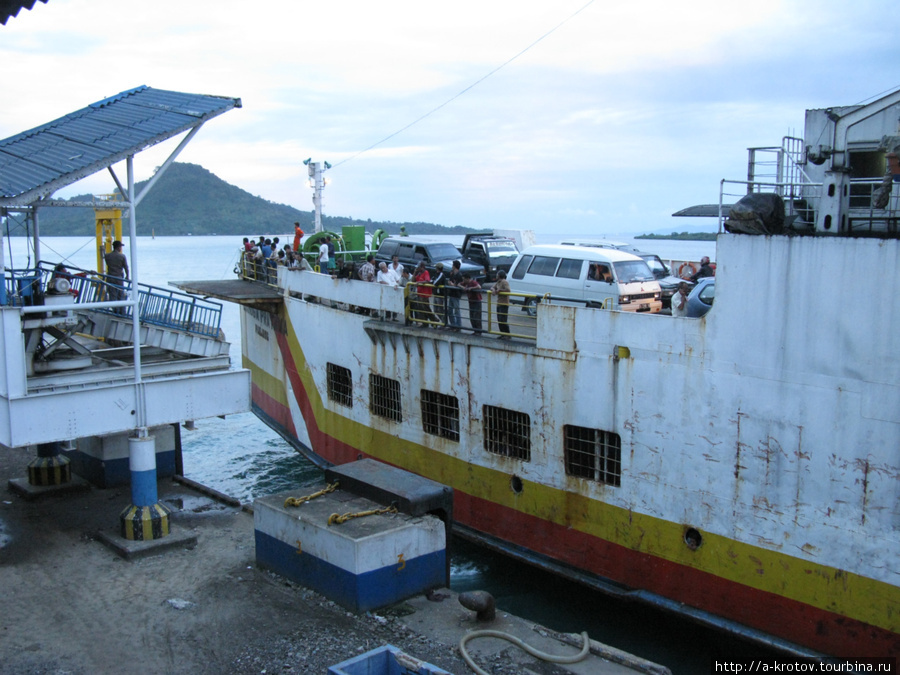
{"x": 436, "y": 302}
{"x": 261, "y": 258}
{"x": 431, "y": 302}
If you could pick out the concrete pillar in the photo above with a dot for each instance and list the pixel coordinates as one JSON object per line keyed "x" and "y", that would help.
{"x": 145, "y": 518}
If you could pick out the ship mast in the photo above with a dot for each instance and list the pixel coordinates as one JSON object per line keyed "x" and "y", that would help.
{"x": 317, "y": 182}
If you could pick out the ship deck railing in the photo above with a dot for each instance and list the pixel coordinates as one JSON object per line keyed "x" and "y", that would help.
{"x": 265, "y": 271}
{"x": 156, "y": 306}
{"x": 415, "y": 304}
{"x": 801, "y": 201}
{"x": 424, "y": 306}
{"x": 428, "y": 309}
{"x": 781, "y": 170}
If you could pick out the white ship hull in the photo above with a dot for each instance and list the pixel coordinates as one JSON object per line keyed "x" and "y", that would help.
{"x": 759, "y": 473}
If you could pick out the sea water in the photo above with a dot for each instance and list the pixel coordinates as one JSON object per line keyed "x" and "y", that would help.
{"x": 243, "y": 458}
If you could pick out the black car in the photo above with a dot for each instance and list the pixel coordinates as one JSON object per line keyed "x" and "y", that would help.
{"x": 492, "y": 252}
{"x": 412, "y": 250}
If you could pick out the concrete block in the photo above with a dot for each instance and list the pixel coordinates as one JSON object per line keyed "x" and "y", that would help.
{"x": 365, "y": 563}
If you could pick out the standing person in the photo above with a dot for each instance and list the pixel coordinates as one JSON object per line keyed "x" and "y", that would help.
{"x": 331, "y": 261}
{"x": 454, "y": 279}
{"x": 117, "y": 273}
{"x": 500, "y": 289}
{"x": 298, "y": 235}
{"x": 271, "y": 257}
{"x": 396, "y": 268}
{"x": 679, "y": 301}
{"x": 439, "y": 299}
{"x": 705, "y": 270}
{"x": 473, "y": 295}
{"x": 386, "y": 277}
{"x": 289, "y": 256}
{"x": 367, "y": 271}
{"x": 247, "y": 245}
{"x": 322, "y": 260}
{"x": 421, "y": 303}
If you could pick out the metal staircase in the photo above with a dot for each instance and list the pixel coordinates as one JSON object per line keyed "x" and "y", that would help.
{"x": 119, "y": 328}
{"x": 169, "y": 320}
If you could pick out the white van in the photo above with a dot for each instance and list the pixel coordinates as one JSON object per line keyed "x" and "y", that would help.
{"x": 596, "y": 276}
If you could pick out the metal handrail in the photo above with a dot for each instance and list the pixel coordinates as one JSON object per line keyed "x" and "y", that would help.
{"x": 156, "y": 306}
{"x": 432, "y": 310}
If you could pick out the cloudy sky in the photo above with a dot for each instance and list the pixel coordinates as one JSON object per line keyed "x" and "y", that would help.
{"x": 606, "y": 117}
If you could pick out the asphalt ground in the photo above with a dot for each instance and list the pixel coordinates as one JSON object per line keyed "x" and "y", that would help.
{"x": 70, "y": 604}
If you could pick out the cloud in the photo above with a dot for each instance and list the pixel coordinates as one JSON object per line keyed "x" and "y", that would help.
{"x": 616, "y": 118}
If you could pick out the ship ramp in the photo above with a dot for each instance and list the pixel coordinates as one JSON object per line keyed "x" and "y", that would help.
{"x": 240, "y": 291}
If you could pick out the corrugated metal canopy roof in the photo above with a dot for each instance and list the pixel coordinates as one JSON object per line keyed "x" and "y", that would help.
{"x": 10, "y": 8}
{"x": 36, "y": 163}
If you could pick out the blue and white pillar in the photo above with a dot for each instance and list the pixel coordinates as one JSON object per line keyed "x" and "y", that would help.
{"x": 145, "y": 518}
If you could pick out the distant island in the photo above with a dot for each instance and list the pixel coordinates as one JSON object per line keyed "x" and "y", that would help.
{"x": 681, "y": 236}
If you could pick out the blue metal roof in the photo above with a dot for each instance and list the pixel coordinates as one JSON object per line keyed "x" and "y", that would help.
{"x": 36, "y": 163}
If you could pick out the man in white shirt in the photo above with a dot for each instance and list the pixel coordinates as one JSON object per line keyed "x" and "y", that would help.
{"x": 679, "y": 301}
{"x": 323, "y": 257}
{"x": 385, "y": 276}
{"x": 396, "y": 268}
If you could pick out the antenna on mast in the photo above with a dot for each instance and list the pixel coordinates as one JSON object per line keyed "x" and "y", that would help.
{"x": 317, "y": 182}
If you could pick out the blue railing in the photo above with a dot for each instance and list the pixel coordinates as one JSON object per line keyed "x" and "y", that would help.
{"x": 157, "y": 306}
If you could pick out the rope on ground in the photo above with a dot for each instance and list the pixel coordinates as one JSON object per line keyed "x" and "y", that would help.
{"x": 336, "y": 519}
{"x": 297, "y": 501}
{"x": 544, "y": 656}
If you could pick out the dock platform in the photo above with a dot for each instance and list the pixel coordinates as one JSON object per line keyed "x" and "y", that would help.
{"x": 71, "y": 604}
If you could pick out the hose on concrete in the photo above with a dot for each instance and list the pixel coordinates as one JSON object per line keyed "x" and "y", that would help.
{"x": 544, "y": 656}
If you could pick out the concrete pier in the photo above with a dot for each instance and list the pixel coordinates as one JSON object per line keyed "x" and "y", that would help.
{"x": 70, "y": 604}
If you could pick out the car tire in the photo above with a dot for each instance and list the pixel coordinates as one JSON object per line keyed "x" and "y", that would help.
{"x": 530, "y": 307}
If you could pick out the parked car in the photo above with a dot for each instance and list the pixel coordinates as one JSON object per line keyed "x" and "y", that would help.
{"x": 593, "y": 276}
{"x": 493, "y": 253}
{"x": 412, "y": 250}
{"x": 701, "y": 298}
{"x": 668, "y": 282}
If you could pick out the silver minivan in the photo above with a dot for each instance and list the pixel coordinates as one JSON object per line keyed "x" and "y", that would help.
{"x": 595, "y": 276}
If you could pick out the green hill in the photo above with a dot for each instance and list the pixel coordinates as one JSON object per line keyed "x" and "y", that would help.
{"x": 188, "y": 199}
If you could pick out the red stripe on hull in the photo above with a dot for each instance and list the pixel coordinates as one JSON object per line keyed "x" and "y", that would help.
{"x": 774, "y": 614}
{"x": 276, "y": 411}
{"x": 794, "y": 621}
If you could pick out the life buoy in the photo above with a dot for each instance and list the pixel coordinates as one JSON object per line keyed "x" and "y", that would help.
{"x": 689, "y": 266}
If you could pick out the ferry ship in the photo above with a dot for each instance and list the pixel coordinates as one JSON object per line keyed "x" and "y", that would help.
{"x": 741, "y": 469}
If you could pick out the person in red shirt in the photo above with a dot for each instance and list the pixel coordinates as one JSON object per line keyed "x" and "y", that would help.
{"x": 298, "y": 235}
{"x": 421, "y": 303}
{"x": 473, "y": 294}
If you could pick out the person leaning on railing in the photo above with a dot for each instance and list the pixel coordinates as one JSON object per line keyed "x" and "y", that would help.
{"x": 502, "y": 289}
{"x": 473, "y": 295}
{"x": 421, "y": 302}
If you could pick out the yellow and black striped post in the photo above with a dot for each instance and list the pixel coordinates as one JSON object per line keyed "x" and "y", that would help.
{"x": 49, "y": 467}
{"x": 145, "y": 523}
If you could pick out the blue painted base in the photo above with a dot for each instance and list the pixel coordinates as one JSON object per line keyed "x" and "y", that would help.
{"x": 115, "y": 472}
{"x": 358, "y": 593}
{"x": 382, "y": 661}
